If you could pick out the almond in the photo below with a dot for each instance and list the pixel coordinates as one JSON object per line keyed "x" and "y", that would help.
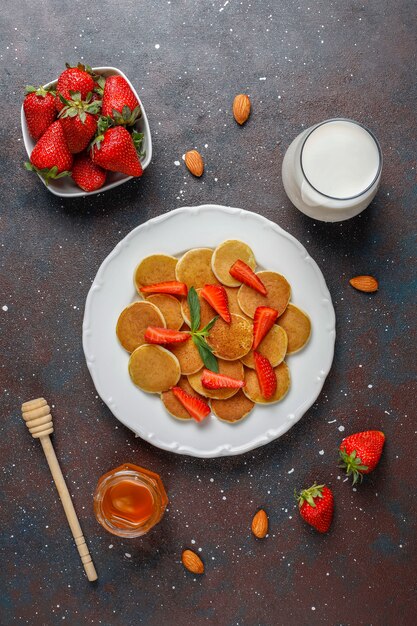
{"x": 241, "y": 108}
{"x": 192, "y": 562}
{"x": 260, "y": 524}
{"x": 194, "y": 162}
{"x": 364, "y": 283}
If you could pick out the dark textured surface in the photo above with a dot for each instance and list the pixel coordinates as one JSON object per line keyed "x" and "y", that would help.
{"x": 300, "y": 62}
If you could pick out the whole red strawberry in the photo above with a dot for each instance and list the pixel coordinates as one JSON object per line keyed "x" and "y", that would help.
{"x": 50, "y": 157}
{"x": 39, "y": 108}
{"x": 316, "y": 506}
{"x": 78, "y": 131}
{"x": 79, "y": 121}
{"x": 119, "y": 101}
{"x": 115, "y": 150}
{"x": 360, "y": 453}
{"x": 87, "y": 174}
{"x": 73, "y": 79}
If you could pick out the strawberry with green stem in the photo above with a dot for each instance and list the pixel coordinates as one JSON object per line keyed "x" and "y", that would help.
{"x": 316, "y": 506}
{"x": 78, "y": 120}
{"x": 39, "y": 109}
{"x": 360, "y": 453}
{"x": 199, "y": 336}
{"x": 51, "y": 157}
{"x": 119, "y": 101}
{"x": 77, "y": 78}
{"x": 116, "y": 149}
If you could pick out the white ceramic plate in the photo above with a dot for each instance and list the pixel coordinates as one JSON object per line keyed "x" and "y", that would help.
{"x": 113, "y": 289}
{"x": 65, "y": 187}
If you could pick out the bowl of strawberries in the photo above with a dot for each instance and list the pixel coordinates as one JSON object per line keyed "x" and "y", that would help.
{"x": 85, "y": 132}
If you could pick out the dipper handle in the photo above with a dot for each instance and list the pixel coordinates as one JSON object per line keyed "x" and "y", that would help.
{"x": 38, "y": 418}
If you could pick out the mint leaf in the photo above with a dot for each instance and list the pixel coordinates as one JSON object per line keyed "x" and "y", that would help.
{"x": 206, "y": 354}
{"x": 205, "y": 331}
{"x": 194, "y": 304}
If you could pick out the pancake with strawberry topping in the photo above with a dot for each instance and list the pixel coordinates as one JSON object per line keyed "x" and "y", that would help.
{"x": 277, "y": 297}
{"x": 225, "y": 255}
{"x": 234, "y": 369}
{"x": 273, "y": 346}
{"x": 156, "y": 268}
{"x": 252, "y": 388}
{"x": 173, "y": 405}
{"x": 133, "y": 322}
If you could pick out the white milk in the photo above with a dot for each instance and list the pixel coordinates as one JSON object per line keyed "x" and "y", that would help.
{"x": 331, "y": 171}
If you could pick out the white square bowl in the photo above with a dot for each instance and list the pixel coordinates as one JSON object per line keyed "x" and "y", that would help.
{"x": 65, "y": 187}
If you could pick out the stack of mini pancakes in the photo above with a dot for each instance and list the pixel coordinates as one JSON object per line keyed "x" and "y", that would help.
{"x": 156, "y": 369}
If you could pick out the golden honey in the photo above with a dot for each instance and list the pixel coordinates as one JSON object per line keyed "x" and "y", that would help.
{"x": 129, "y": 500}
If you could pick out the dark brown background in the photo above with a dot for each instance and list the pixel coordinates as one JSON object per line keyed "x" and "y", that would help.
{"x": 320, "y": 59}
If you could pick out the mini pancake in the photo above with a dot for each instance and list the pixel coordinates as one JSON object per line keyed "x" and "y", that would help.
{"x": 194, "y": 268}
{"x": 170, "y": 308}
{"x": 234, "y": 409}
{"x": 154, "y": 369}
{"x": 228, "y": 368}
{"x": 273, "y": 346}
{"x": 173, "y": 405}
{"x": 206, "y": 311}
{"x": 156, "y": 268}
{"x": 133, "y": 322}
{"x": 188, "y": 356}
{"x": 228, "y": 253}
{"x": 231, "y": 341}
{"x": 234, "y": 307}
{"x": 297, "y": 325}
{"x": 253, "y": 392}
{"x": 279, "y": 292}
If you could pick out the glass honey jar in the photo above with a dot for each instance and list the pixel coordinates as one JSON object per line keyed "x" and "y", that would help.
{"x": 129, "y": 500}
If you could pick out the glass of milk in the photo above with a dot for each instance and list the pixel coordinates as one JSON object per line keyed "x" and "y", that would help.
{"x": 332, "y": 170}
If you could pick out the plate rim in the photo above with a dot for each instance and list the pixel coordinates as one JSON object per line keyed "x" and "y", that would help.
{"x": 224, "y": 449}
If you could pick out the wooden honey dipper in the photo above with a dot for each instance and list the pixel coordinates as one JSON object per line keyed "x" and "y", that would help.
{"x": 38, "y": 418}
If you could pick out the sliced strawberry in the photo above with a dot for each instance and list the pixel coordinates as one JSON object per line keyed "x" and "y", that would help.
{"x": 171, "y": 286}
{"x": 263, "y": 321}
{"x": 266, "y": 376}
{"x": 216, "y": 296}
{"x": 211, "y": 380}
{"x": 246, "y": 275}
{"x": 197, "y": 408}
{"x": 155, "y": 334}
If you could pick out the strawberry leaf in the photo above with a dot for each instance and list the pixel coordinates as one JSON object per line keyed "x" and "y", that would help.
{"x": 75, "y": 95}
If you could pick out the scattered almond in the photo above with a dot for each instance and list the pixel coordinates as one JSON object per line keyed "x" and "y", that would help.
{"x": 260, "y": 524}
{"x": 192, "y": 562}
{"x": 241, "y": 108}
{"x": 364, "y": 283}
{"x": 194, "y": 162}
